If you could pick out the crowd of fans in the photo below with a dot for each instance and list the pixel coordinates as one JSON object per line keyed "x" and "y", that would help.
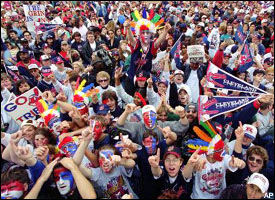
{"x": 119, "y": 111}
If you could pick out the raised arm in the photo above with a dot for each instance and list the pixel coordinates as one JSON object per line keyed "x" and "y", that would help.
{"x": 130, "y": 35}
{"x": 154, "y": 162}
{"x": 85, "y": 188}
{"x": 130, "y": 108}
{"x": 162, "y": 37}
{"x": 239, "y": 132}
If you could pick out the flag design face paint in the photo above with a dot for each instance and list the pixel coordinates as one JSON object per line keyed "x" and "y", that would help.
{"x": 64, "y": 180}
{"x": 13, "y": 190}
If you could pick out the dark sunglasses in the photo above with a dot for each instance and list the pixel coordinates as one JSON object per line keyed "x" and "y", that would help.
{"x": 258, "y": 161}
{"x": 104, "y": 80}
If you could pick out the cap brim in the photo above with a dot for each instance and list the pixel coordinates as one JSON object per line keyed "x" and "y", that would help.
{"x": 173, "y": 153}
{"x": 47, "y": 74}
{"x": 141, "y": 78}
{"x": 249, "y": 136}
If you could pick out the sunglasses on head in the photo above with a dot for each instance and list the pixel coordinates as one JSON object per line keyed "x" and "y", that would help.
{"x": 258, "y": 161}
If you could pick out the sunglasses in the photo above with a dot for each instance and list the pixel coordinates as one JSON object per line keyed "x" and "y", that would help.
{"x": 258, "y": 161}
{"x": 104, "y": 80}
{"x": 191, "y": 111}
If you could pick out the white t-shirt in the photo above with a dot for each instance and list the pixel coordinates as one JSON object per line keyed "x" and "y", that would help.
{"x": 231, "y": 146}
{"x": 210, "y": 182}
{"x": 193, "y": 82}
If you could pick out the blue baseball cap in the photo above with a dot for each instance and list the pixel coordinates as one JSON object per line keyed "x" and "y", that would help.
{"x": 102, "y": 109}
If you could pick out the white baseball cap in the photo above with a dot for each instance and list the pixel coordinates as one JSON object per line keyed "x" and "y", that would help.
{"x": 148, "y": 108}
{"x": 29, "y": 122}
{"x": 264, "y": 21}
{"x": 250, "y": 131}
{"x": 259, "y": 180}
{"x": 179, "y": 72}
{"x": 201, "y": 24}
{"x": 33, "y": 66}
{"x": 204, "y": 16}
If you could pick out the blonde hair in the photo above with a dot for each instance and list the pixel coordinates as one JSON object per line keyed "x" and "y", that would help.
{"x": 270, "y": 70}
{"x": 102, "y": 74}
{"x": 79, "y": 64}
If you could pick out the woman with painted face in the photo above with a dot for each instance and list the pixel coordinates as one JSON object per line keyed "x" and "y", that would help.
{"x": 70, "y": 182}
{"x": 256, "y": 161}
{"x": 14, "y": 183}
{"x": 172, "y": 183}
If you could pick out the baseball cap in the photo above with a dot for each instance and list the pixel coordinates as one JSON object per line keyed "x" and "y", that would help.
{"x": 44, "y": 57}
{"x": 29, "y": 122}
{"x": 45, "y": 45}
{"x": 227, "y": 55}
{"x": 115, "y": 53}
{"x": 148, "y": 108}
{"x": 191, "y": 106}
{"x": 23, "y": 40}
{"x": 204, "y": 16}
{"x": 141, "y": 76}
{"x": 102, "y": 109}
{"x": 250, "y": 131}
{"x": 268, "y": 60}
{"x": 60, "y": 32}
{"x": 23, "y": 50}
{"x": 172, "y": 150}
{"x": 179, "y": 72}
{"x": 46, "y": 71}
{"x": 49, "y": 36}
{"x": 13, "y": 68}
{"x": 259, "y": 180}
{"x": 201, "y": 24}
{"x": 264, "y": 21}
{"x": 58, "y": 60}
{"x": 165, "y": 82}
{"x": 33, "y": 66}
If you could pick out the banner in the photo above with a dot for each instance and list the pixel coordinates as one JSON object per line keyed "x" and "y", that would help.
{"x": 196, "y": 54}
{"x": 246, "y": 59}
{"x": 23, "y": 107}
{"x": 239, "y": 35}
{"x": 34, "y": 13}
{"x": 44, "y": 27}
{"x": 218, "y": 78}
{"x": 214, "y": 42}
{"x": 218, "y": 105}
{"x": 175, "y": 51}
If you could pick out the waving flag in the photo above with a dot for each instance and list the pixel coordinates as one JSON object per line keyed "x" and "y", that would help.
{"x": 246, "y": 59}
{"x": 218, "y": 105}
{"x": 218, "y": 78}
{"x": 239, "y": 35}
{"x": 175, "y": 50}
{"x": 214, "y": 41}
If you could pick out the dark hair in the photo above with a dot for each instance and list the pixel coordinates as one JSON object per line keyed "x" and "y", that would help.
{"x": 109, "y": 95}
{"x": 260, "y": 151}
{"x": 148, "y": 134}
{"x": 265, "y": 106}
{"x": 89, "y": 33}
{"x": 15, "y": 174}
{"x": 76, "y": 34}
{"x": 19, "y": 83}
{"x": 142, "y": 91}
{"x": 258, "y": 71}
{"x": 26, "y": 32}
{"x": 74, "y": 77}
{"x": 47, "y": 133}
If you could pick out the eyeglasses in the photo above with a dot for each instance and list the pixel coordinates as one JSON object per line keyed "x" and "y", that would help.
{"x": 175, "y": 160}
{"x": 104, "y": 80}
{"x": 258, "y": 161}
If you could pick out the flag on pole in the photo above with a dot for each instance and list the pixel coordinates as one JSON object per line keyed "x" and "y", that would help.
{"x": 175, "y": 50}
{"x": 239, "y": 35}
{"x": 246, "y": 59}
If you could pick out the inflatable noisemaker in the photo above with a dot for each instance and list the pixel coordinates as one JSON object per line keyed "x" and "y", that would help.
{"x": 50, "y": 115}
{"x": 80, "y": 99}
{"x": 144, "y": 22}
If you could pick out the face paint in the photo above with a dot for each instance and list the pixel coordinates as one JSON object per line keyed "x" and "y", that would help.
{"x": 64, "y": 180}
{"x": 13, "y": 190}
{"x": 218, "y": 155}
{"x": 81, "y": 107}
{"x": 69, "y": 149}
{"x": 104, "y": 161}
{"x": 150, "y": 144}
{"x": 150, "y": 119}
{"x": 97, "y": 129}
{"x": 55, "y": 125}
{"x": 145, "y": 37}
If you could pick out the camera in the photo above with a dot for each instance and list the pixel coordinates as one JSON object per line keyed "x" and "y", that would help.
{"x": 104, "y": 55}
